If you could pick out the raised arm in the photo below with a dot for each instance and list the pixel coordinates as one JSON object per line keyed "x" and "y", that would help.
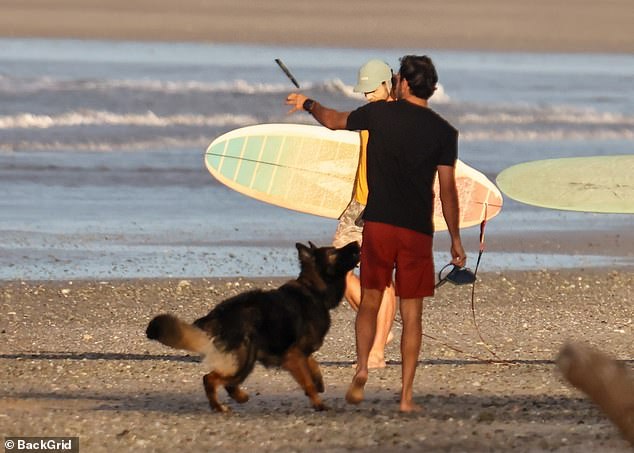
{"x": 451, "y": 212}
{"x": 330, "y": 118}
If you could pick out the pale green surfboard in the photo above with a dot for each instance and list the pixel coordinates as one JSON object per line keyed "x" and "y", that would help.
{"x": 590, "y": 184}
{"x": 311, "y": 169}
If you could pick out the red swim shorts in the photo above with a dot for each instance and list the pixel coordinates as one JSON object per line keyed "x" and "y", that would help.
{"x": 388, "y": 247}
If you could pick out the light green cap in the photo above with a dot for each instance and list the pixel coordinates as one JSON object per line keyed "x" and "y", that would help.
{"x": 371, "y": 75}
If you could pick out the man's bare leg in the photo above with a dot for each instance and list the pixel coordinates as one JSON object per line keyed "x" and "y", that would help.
{"x": 411, "y": 313}
{"x": 365, "y": 328}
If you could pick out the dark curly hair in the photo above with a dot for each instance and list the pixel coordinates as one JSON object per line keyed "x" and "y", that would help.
{"x": 420, "y": 73}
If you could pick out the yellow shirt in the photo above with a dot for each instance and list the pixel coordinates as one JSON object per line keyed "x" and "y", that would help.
{"x": 361, "y": 179}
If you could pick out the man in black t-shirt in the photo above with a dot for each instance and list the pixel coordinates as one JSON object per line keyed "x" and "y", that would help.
{"x": 403, "y": 154}
{"x": 408, "y": 144}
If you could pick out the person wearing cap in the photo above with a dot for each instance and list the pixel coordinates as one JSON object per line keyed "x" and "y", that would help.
{"x": 375, "y": 82}
{"x": 409, "y": 144}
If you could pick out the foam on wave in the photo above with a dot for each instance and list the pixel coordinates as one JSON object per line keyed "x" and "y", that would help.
{"x": 238, "y": 86}
{"x": 561, "y": 115}
{"x": 105, "y": 118}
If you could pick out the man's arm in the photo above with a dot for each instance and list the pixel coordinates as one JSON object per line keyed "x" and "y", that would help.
{"x": 330, "y": 118}
{"x": 451, "y": 211}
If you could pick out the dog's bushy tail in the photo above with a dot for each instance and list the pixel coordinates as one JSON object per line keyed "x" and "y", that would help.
{"x": 173, "y": 332}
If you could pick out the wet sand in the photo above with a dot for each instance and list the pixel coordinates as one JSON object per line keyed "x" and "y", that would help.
{"x": 74, "y": 361}
{"x": 540, "y": 25}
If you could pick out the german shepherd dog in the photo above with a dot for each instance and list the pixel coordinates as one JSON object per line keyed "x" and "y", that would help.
{"x": 281, "y": 327}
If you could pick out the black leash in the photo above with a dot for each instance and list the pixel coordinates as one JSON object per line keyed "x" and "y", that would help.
{"x": 475, "y": 273}
{"x": 463, "y": 276}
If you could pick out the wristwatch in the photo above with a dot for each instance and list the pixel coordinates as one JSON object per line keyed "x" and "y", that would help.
{"x": 308, "y": 105}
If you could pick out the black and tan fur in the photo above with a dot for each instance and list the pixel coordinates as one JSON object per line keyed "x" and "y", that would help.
{"x": 281, "y": 327}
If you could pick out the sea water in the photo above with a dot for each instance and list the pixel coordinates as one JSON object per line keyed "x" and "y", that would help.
{"x": 102, "y": 143}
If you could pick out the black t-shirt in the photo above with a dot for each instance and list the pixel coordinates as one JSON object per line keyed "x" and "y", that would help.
{"x": 407, "y": 142}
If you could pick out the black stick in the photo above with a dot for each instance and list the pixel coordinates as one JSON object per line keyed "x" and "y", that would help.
{"x": 287, "y": 72}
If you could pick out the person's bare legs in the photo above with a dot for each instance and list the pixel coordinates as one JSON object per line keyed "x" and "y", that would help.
{"x": 411, "y": 338}
{"x": 353, "y": 290}
{"x": 385, "y": 318}
{"x": 383, "y": 334}
{"x": 365, "y": 328}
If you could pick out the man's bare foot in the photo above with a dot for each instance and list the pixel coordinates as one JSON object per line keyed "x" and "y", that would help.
{"x": 354, "y": 395}
{"x": 410, "y": 407}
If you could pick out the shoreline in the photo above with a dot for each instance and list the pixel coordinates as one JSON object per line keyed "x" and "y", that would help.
{"x": 541, "y": 26}
{"x": 506, "y": 252}
{"x": 263, "y": 280}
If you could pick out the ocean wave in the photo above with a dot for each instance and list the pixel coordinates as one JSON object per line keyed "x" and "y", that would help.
{"x": 536, "y": 135}
{"x": 549, "y": 116}
{"x": 104, "y": 118}
{"x": 200, "y": 142}
{"x": 188, "y": 86}
{"x": 13, "y": 85}
{"x": 568, "y": 125}
{"x": 238, "y": 86}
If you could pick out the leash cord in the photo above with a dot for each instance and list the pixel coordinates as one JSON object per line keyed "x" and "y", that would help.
{"x": 475, "y": 272}
{"x": 473, "y": 314}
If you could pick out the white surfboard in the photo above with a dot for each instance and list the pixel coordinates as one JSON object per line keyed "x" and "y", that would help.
{"x": 311, "y": 169}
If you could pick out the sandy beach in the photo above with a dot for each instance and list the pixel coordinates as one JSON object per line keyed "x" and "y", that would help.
{"x": 75, "y": 361}
{"x": 541, "y": 25}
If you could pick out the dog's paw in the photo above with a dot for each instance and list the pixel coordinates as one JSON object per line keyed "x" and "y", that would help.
{"x": 238, "y": 395}
{"x": 222, "y": 408}
{"x": 320, "y": 407}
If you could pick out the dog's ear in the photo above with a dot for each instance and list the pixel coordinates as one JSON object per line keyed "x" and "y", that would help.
{"x": 312, "y": 246}
{"x": 304, "y": 252}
